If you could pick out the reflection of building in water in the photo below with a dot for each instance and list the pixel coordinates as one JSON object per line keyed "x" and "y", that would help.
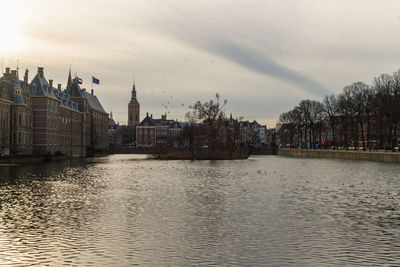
{"x": 38, "y": 118}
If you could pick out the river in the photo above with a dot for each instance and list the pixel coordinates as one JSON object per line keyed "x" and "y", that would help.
{"x": 126, "y": 210}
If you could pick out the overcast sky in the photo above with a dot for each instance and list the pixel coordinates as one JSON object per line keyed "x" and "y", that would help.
{"x": 262, "y": 56}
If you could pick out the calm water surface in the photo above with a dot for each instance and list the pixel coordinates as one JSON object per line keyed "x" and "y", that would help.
{"x": 124, "y": 210}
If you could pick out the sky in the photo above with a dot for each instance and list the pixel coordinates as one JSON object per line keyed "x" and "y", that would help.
{"x": 263, "y": 56}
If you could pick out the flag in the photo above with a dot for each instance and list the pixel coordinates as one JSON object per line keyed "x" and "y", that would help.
{"x": 95, "y": 80}
{"x": 78, "y": 80}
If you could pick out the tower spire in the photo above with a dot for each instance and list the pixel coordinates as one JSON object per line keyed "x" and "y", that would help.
{"x": 69, "y": 83}
{"x": 133, "y": 94}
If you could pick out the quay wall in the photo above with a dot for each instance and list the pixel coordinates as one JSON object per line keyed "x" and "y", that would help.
{"x": 346, "y": 155}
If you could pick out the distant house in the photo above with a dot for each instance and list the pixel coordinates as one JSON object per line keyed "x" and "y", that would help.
{"x": 151, "y": 132}
{"x": 175, "y": 138}
{"x": 146, "y": 132}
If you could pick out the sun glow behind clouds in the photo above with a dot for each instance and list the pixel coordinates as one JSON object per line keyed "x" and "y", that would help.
{"x": 12, "y": 21}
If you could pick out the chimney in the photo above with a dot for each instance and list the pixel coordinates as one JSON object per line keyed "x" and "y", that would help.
{"x": 7, "y": 70}
{"x": 59, "y": 87}
{"x": 147, "y": 114}
{"x": 40, "y": 71}
{"x": 151, "y": 116}
{"x": 92, "y": 91}
{"x": 51, "y": 83}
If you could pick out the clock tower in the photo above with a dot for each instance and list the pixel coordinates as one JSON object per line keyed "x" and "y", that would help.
{"x": 133, "y": 109}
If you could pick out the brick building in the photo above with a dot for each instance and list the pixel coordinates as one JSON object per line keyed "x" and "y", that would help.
{"x": 37, "y": 118}
{"x": 151, "y": 132}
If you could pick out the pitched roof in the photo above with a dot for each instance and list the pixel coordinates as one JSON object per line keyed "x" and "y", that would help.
{"x": 93, "y": 102}
{"x": 39, "y": 86}
{"x": 147, "y": 121}
{"x": 69, "y": 82}
{"x": 176, "y": 125}
{"x": 112, "y": 124}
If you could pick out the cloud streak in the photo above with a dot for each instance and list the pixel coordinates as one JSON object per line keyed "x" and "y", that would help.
{"x": 256, "y": 61}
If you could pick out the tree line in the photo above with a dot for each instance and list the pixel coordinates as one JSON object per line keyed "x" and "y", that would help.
{"x": 361, "y": 116}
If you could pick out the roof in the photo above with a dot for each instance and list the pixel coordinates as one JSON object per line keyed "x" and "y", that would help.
{"x": 74, "y": 90}
{"x": 147, "y": 121}
{"x": 175, "y": 125}
{"x": 69, "y": 83}
{"x": 65, "y": 100}
{"x": 161, "y": 122}
{"x": 40, "y": 87}
{"x": 93, "y": 102}
{"x": 112, "y": 124}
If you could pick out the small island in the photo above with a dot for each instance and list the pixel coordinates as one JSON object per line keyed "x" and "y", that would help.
{"x": 209, "y": 135}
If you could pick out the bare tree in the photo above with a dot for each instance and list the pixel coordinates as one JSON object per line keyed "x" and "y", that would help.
{"x": 212, "y": 114}
{"x": 358, "y": 99}
{"x": 330, "y": 108}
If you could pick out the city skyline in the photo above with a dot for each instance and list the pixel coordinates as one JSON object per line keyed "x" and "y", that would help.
{"x": 263, "y": 56}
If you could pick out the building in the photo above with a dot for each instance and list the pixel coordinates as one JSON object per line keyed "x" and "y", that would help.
{"x": 146, "y": 132}
{"x": 37, "y": 118}
{"x": 114, "y": 134}
{"x": 133, "y": 109}
{"x": 16, "y": 109}
{"x": 151, "y": 132}
{"x": 175, "y": 135}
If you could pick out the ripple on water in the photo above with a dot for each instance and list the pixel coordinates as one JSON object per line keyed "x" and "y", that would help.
{"x": 128, "y": 210}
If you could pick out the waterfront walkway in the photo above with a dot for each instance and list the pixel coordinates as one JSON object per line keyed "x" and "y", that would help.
{"x": 381, "y": 156}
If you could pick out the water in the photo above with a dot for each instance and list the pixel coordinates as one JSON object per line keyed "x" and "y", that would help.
{"x": 125, "y": 210}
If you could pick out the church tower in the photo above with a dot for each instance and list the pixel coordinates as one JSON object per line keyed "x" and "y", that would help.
{"x": 133, "y": 109}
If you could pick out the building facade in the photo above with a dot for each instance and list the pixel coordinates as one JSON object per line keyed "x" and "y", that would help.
{"x": 151, "y": 132}
{"x": 38, "y": 118}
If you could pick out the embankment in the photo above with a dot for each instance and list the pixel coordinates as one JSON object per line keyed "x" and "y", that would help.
{"x": 347, "y": 155}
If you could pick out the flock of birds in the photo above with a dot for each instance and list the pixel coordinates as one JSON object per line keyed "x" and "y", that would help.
{"x": 170, "y": 102}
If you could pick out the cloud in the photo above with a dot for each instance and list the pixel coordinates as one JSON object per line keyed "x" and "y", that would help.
{"x": 211, "y": 31}
{"x": 257, "y": 61}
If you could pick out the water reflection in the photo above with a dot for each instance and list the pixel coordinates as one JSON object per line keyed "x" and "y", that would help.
{"x": 128, "y": 210}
